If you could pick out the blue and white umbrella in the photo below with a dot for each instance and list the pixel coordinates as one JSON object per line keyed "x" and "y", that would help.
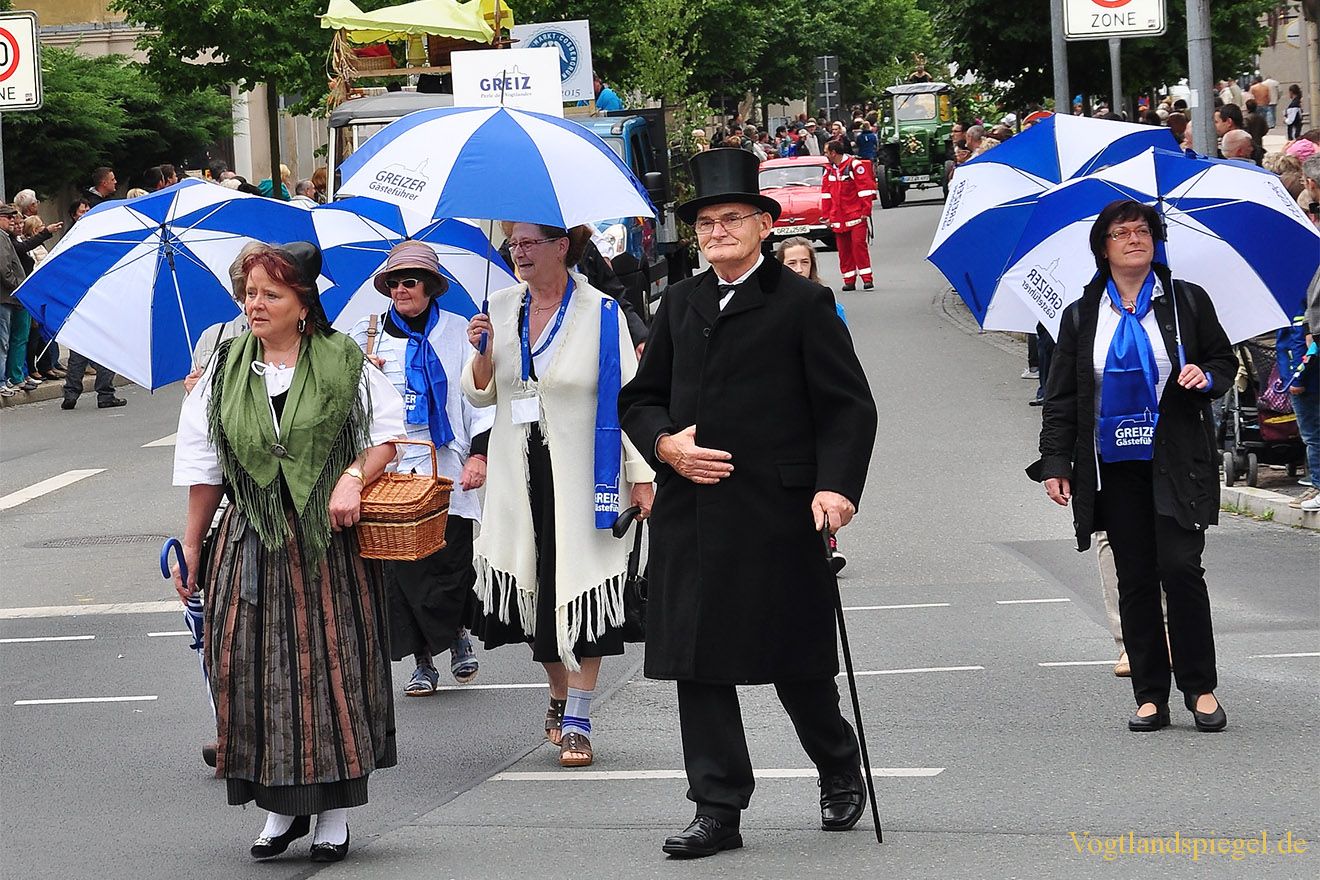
{"x": 992, "y": 197}
{"x": 1232, "y": 228}
{"x": 356, "y": 235}
{"x": 133, "y": 284}
{"x": 494, "y": 163}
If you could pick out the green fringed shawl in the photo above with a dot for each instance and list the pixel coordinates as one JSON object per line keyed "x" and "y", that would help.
{"x": 324, "y": 427}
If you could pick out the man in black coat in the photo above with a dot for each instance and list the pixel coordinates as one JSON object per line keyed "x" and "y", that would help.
{"x": 751, "y": 405}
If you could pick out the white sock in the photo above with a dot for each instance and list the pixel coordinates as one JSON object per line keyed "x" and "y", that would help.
{"x": 276, "y": 824}
{"x": 577, "y": 712}
{"x": 331, "y": 827}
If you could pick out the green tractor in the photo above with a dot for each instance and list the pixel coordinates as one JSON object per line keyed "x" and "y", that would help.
{"x": 916, "y": 141}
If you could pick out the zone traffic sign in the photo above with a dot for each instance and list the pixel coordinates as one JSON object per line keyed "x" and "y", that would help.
{"x": 20, "y": 62}
{"x": 1113, "y": 19}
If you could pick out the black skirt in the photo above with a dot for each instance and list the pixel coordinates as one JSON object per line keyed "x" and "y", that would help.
{"x": 495, "y": 632}
{"x": 431, "y": 598}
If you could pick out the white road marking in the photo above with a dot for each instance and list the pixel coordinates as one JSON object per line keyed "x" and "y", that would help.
{"x": 47, "y": 639}
{"x": 916, "y": 669}
{"x": 1078, "y": 663}
{"x": 80, "y": 610}
{"x": 1029, "y": 601}
{"x": 36, "y": 490}
{"x": 1271, "y": 656}
{"x": 897, "y": 607}
{"x": 628, "y": 775}
{"x": 67, "y": 700}
{"x": 163, "y": 441}
{"x": 492, "y": 687}
{"x": 173, "y": 632}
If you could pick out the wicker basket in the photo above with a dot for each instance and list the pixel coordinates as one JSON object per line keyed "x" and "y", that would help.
{"x": 404, "y": 515}
{"x": 365, "y": 64}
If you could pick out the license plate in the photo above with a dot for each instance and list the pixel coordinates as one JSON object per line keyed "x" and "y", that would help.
{"x": 792, "y": 230}
{"x": 916, "y": 178}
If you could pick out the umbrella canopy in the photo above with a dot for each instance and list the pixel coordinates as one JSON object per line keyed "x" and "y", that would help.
{"x": 356, "y": 236}
{"x": 1232, "y": 228}
{"x": 444, "y": 18}
{"x": 133, "y": 284}
{"x": 993, "y": 195}
{"x": 494, "y": 163}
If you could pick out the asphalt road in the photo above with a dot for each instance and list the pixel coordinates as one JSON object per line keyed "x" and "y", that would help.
{"x": 963, "y": 582}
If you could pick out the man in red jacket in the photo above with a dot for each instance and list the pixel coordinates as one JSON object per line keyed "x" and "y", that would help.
{"x": 847, "y": 193}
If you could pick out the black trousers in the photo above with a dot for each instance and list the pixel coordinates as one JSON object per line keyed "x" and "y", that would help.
{"x": 719, "y": 769}
{"x": 1151, "y": 551}
{"x": 73, "y": 382}
{"x": 431, "y": 598}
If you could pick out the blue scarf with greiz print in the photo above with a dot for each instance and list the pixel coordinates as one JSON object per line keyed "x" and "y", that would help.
{"x": 1129, "y": 402}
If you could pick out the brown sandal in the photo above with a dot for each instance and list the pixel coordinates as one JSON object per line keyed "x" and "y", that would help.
{"x": 575, "y": 744}
{"x": 554, "y": 720}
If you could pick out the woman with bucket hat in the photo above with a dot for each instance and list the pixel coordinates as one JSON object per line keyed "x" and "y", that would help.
{"x": 421, "y": 349}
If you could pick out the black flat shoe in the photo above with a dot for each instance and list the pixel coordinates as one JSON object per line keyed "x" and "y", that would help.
{"x": 209, "y": 754}
{"x": 1147, "y": 723}
{"x": 842, "y": 799}
{"x": 704, "y": 837}
{"x": 68, "y": 403}
{"x": 330, "y": 852}
{"x": 269, "y": 847}
{"x": 111, "y": 403}
{"x": 1206, "y": 722}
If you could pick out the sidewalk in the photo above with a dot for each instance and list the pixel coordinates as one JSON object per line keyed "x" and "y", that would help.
{"x": 55, "y": 390}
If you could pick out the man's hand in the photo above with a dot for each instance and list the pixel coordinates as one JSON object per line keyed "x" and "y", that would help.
{"x": 833, "y": 508}
{"x": 692, "y": 462}
{"x": 1059, "y": 490}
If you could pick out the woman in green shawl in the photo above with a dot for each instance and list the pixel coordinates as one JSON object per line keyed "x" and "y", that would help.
{"x": 289, "y": 424}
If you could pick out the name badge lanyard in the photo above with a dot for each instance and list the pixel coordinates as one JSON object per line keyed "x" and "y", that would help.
{"x": 527, "y": 353}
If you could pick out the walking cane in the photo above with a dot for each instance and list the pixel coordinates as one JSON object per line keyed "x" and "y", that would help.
{"x": 852, "y": 687}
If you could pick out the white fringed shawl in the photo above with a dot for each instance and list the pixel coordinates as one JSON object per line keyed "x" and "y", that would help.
{"x": 590, "y": 563}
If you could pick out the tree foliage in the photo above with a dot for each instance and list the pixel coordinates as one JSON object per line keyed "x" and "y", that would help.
{"x": 1011, "y": 42}
{"x": 105, "y": 111}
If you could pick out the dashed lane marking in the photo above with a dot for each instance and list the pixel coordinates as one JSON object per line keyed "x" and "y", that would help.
{"x": 1280, "y": 656}
{"x": 1078, "y": 663}
{"x": 67, "y": 700}
{"x": 47, "y": 639}
{"x": 630, "y": 775}
{"x": 915, "y": 670}
{"x": 80, "y": 610}
{"x": 492, "y": 687}
{"x": 36, "y": 490}
{"x": 163, "y": 441}
{"x": 173, "y": 632}
{"x": 897, "y": 607}
{"x": 1029, "y": 601}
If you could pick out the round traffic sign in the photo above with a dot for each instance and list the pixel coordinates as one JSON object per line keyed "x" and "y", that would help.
{"x": 8, "y": 54}
{"x": 1111, "y": 4}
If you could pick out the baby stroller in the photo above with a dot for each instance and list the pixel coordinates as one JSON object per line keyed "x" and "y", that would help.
{"x": 1259, "y": 426}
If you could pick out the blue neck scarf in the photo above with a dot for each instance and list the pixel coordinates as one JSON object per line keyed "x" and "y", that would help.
{"x": 1129, "y": 402}
{"x": 427, "y": 385}
{"x": 609, "y": 438}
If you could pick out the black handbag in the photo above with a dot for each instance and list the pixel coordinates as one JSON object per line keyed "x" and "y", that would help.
{"x": 634, "y": 584}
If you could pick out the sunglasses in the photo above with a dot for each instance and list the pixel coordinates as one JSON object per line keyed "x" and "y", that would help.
{"x": 405, "y": 283}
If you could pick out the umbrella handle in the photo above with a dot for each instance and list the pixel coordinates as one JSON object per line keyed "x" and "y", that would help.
{"x": 173, "y": 544}
{"x": 485, "y": 310}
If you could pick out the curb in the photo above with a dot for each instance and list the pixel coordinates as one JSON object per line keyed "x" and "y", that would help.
{"x": 55, "y": 391}
{"x": 1263, "y": 502}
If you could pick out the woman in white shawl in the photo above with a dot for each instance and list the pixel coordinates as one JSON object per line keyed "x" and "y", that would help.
{"x": 552, "y": 355}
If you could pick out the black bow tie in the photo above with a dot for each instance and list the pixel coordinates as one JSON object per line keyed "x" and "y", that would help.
{"x": 726, "y": 289}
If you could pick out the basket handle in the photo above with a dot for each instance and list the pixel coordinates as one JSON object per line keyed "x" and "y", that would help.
{"x": 435, "y": 467}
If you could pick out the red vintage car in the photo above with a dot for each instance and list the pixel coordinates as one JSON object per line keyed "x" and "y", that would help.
{"x": 795, "y": 184}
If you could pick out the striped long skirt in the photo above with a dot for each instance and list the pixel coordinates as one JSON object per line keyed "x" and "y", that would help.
{"x": 300, "y": 671}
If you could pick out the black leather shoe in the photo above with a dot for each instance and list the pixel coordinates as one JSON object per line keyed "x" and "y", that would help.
{"x": 111, "y": 403}
{"x": 868, "y": 285}
{"x": 1206, "y": 722}
{"x": 69, "y": 403}
{"x": 704, "y": 837}
{"x": 269, "y": 847}
{"x": 330, "y": 852}
{"x": 209, "y": 754}
{"x": 850, "y": 287}
{"x": 1147, "y": 723}
{"x": 842, "y": 799}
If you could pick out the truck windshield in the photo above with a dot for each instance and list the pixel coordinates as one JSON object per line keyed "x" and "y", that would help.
{"x": 791, "y": 175}
{"x": 615, "y": 144}
{"x": 913, "y": 107}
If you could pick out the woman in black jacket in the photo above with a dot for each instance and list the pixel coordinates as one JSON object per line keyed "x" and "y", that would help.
{"x": 1128, "y": 438}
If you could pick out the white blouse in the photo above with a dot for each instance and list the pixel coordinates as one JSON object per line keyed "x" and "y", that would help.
{"x": 196, "y": 461}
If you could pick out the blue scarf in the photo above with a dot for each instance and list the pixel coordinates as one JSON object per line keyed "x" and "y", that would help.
{"x": 1129, "y": 402}
{"x": 427, "y": 385}
{"x": 608, "y": 435}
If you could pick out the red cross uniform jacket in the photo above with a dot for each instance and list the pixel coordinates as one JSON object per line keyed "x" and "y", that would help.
{"x": 847, "y": 192}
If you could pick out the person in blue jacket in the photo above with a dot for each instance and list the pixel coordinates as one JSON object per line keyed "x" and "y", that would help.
{"x": 1303, "y": 383}
{"x": 606, "y": 98}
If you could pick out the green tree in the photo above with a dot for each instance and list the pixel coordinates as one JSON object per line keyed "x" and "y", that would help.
{"x": 993, "y": 38}
{"x": 197, "y": 44}
{"x": 105, "y": 111}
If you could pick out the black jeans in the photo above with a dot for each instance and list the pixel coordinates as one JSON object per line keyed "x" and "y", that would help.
{"x": 1152, "y": 551}
{"x": 719, "y": 769}
{"x": 73, "y": 382}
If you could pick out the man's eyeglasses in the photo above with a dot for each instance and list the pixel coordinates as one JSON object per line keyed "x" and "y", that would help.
{"x": 405, "y": 283}
{"x": 1140, "y": 232}
{"x": 730, "y": 222}
{"x": 526, "y": 244}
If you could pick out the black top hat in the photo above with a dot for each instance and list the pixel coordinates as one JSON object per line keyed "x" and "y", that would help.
{"x": 725, "y": 174}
